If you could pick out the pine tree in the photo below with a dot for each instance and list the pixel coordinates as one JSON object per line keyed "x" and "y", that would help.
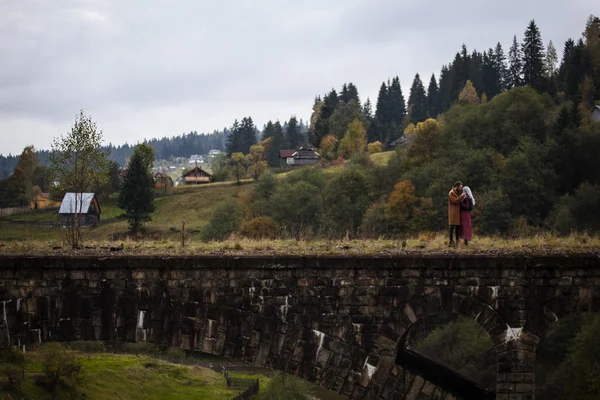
{"x": 268, "y": 131}
{"x": 396, "y": 103}
{"x": 533, "y": 57}
{"x": 277, "y": 143}
{"x": 500, "y": 63}
{"x": 417, "y": 101}
{"x": 491, "y": 77}
{"x": 235, "y": 141}
{"x": 515, "y": 67}
{"x": 293, "y": 139}
{"x": 344, "y": 94}
{"x": 367, "y": 109}
{"x": 353, "y": 93}
{"x": 445, "y": 89}
{"x": 382, "y": 113}
{"x": 137, "y": 193}
{"x": 248, "y": 134}
{"x": 551, "y": 60}
{"x": 433, "y": 97}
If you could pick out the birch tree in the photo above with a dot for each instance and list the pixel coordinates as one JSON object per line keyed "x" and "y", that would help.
{"x": 78, "y": 164}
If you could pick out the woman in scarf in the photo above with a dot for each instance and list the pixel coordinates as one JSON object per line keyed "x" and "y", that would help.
{"x": 466, "y": 206}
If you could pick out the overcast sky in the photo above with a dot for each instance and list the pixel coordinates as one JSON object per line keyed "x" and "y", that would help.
{"x": 154, "y": 68}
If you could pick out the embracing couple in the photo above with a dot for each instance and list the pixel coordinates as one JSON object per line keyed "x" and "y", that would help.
{"x": 460, "y": 206}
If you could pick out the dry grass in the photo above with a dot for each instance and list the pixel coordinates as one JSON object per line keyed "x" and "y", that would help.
{"x": 431, "y": 245}
{"x": 382, "y": 158}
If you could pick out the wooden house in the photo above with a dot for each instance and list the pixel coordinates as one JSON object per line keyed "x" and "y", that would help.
{"x": 595, "y": 115}
{"x": 84, "y": 204}
{"x": 305, "y": 156}
{"x": 196, "y": 176}
{"x": 161, "y": 180}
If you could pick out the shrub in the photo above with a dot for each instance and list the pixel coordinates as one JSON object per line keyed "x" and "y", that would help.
{"x": 60, "y": 368}
{"x": 12, "y": 366}
{"x": 374, "y": 147}
{"x": 224, "y": 222}
{"x": 259, "y": 228}
{"x": 85, "y": 346}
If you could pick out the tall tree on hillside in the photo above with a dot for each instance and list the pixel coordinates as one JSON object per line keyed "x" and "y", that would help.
{"x": 533, "y": 57}
{"x": 445, "y": 89}
{"x": 267, "y": 131}
{"x": 500, "y": 62}
{"x": 277, "y": 144}
{"x": 515, "y": 65}
{"x": 367, "y": 109}
{"x": 382, "y": 112}
{"x": 79, "y": 163}
{"x": 353, "y": 93}
{"x": 321, "y": 120}
{"x": 248, "y": 134}
{"x": 592, "y": 47}
{"x": 417, "y": 101}
{"x": 468, "y": 95}
{"x": 396, "y": 102}
{"x": 20, "y": 186}
{"x": 293, "y": 138}
{"x": 137, "y": 194}
{"x": 433, "y": 97}
{"x": 235, "y": 141}
{"x": 491, "y": 76}
{"x": 551, "y": 60}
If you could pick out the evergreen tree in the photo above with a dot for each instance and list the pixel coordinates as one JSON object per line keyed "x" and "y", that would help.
{"x": 321, "y": 113}
{"x": 417, "y": 101}
{"x": 500, "y": 63}
{"x": 137, "y": 193}
{"x": 491, "y": 76}
{"x": 445, "y": 89}
{"x": 235, "y": 141}
{"x": 293, "y": 139}
{"x": 248, "y": 134}
{"x": 551, "y": 60}
{"x": 533, "y": 57}
{"x": 344, "y": 94}
{"x": 268, "y": 131}
{"x": 367, "y": 110}
{"x": 515, "y": 67}
{"x": 433, "y": 97}
{"x": 396, "y": 103}
{"x": 382, "y": 113}
{"x": 277, "y": 143}
{"x": 353, "y": 93}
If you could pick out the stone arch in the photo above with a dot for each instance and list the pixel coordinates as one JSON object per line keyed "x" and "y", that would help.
{"x": 393, "y": 331}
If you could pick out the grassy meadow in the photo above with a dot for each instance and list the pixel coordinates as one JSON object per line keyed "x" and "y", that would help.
{"x": 131, "y": 377}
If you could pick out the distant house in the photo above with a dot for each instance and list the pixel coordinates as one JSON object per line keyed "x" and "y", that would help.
{"x": 196, "y": 176}
{"x": 298, "y": 158}
{"x": 42, "y": 201}
{"x": 305, "y": 156}
{"x": 402, "y": 140}
{"x": 214, "y": 152}
{"x": 161, "y": 180}
{"x": 595, "y": 115}
{"x": 286, "y": 157}
{"x": 85, "y": 204}
{"x": 196, "y": 159}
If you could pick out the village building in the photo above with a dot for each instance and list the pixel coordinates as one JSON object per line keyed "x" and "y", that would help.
{"x": 196, "y": 176}
{"x": 595, "y": 115}
{"x": 305, "y": 156}
{"x": 195, "y": 159}
{"x": 42, "y": 201}
{"x": 84, "y": 204}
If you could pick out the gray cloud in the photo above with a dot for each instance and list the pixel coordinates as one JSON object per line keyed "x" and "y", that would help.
{"x": 147, "y": 68}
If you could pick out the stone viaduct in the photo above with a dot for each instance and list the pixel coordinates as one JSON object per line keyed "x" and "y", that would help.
{"x": 340, "y": 322}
